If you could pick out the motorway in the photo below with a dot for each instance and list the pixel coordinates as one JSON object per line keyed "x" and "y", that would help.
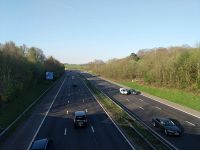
{"x": 146, "y": 108}
{"x": 53, "y": 118}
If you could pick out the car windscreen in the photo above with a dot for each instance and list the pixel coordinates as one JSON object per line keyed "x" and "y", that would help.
{"x": 169, "y": 123}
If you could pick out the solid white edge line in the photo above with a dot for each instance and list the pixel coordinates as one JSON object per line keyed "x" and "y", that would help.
{"x": 45, "y": 116}
{"x": 190, "y": 123}
{"x": 110, "y": 117}
{"x": 92, "y": 129}
{"x": 67, "y": 112}
{"x": 3, "y": 132}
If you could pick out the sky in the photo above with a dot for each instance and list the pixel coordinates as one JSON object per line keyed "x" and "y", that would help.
{"x": 79, "y": 31}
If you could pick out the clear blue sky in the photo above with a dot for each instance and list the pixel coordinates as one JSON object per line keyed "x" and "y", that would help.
{"x": 79, "y": 31}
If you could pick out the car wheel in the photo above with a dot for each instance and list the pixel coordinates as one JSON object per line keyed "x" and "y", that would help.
{"x": 154, "y": 124}
{"x": 166, "y": 132}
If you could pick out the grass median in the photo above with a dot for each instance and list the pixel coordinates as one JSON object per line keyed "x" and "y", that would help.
{"x": 127, "y": 124}
{"x": 180, "y": 97}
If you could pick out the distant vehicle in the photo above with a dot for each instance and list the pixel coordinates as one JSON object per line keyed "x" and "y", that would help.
{"x": 134, "y": 92}
{"x": 80, "y": 119}
{"x": 124, "y": 91}
{"x": 42, "y": 144}
{"x": 168, "y": 125}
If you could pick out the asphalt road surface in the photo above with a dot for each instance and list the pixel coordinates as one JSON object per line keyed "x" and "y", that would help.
{"x": 146, "y": 109}
{"x": 57, "y": 124}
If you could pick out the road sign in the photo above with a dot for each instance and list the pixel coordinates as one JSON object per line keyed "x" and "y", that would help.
{"x": 49, "y": 75}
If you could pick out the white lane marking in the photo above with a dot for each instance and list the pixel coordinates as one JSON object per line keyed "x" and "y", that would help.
{"x": 92, "y": 129}
{"x": 45, "y": 116}
{"x": 85, "y": 110}
{"x": 67, "y": 112}
{"x": 141, "y": 108}
{"x": 83, "y": 100}
{"x": 158, "y": 107}
{"x": 141, "y": 100}
{"x": 68, "y": 102}
{"x": 65, "y": 132}
{"x": 190, "y": 123}
{"x": 128, "y": 99}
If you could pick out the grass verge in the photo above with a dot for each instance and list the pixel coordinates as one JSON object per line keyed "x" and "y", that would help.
{"x": 10, "y": 111}
{"x": 180, "y": 97}
{"x": 136, "y": 133}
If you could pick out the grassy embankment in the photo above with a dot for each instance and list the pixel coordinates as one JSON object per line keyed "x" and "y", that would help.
{"x": 126, "y": 123}
{"x": 10, "y": 111}
{"x": 177, "y": 96}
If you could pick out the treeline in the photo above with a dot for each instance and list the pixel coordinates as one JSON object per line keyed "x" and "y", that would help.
{"x": 22, "y": 67}
{"x": 177, "y": 67}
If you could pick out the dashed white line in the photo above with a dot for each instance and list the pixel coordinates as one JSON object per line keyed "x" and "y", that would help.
{"x": 85, "y": 110}
{"x": 190, "y": 123}
{"x": 141, "y": 100}
{"x": 65, "y": 132}
{"x": 141, "y": 108}
{"x": 67, "y": 112}
{"x": 92, "y": 129}
{"x": 83, "y": 100}
{"x": 158, "y": 107}
{"x": 68, "y": 102}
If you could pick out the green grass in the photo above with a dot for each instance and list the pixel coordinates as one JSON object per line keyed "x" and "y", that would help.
{"x": 180, "y": 97}
{"x": 10, "y": 111}
{"x": 124, "y": 121}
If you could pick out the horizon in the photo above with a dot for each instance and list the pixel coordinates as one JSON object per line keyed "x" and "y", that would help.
{"x": 77, "y": 32}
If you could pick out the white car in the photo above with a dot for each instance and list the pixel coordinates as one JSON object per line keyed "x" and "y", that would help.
{"x": 124, "y": 91}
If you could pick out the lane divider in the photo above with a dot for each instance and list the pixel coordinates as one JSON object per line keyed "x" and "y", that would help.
{"x": 141, "y": 108}
{"x": 65, "y": 131}
{"x": 190, "y": 123}
{"x": 92, "y": 129}
{"x": 158, "y": 107}
{"x": 141, "y": 100}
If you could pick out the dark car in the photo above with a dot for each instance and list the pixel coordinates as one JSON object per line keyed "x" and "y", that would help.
{"x": 134, "y": 92}
{"x": 42, "y": 144}
{"x": 168, "y": 125}
{"x": 80, "y": 119}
